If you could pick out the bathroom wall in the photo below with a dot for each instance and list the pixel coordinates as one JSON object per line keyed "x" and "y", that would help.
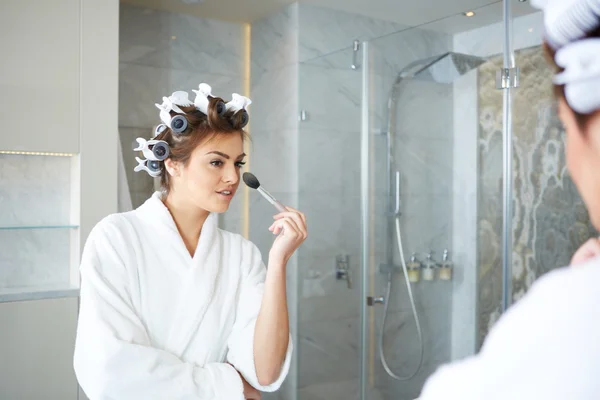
{"x": 161, "y": 52}
{"x": 550, "y": 220}
{"x": 274, "y": 91}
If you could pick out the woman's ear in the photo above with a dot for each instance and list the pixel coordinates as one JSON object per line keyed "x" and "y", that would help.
{"x": 173, "y": 167}
{"x": 567, "y": 116}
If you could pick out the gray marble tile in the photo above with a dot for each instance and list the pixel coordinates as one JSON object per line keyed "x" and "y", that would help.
{"x": 408, "y": 46}
{"x": 425, "y": 165}
{"x": 275, "y": 97}
{"x": 328, "y": 351}
{"x": 324, "y": 30}
{"x": 178, "y": 41}
{"x": 329, "y": 161}
{"x": 330, "y": 97}
{"x": 275, "y": 40}
{"x": 321, "y": 296}
{"x": 425, "y": 110}
{"x": 274, "y": 159}
{"x": 401, "y": 343}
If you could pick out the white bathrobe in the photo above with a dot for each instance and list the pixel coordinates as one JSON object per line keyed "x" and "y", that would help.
{"x": 156, "y": 323}
{"x": 546, "y": 347}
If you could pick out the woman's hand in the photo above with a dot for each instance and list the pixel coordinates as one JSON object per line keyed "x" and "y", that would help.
{"x": 293, "y": 224}
{"x": 587, "y": 251}
{"x": 249, "y": 392}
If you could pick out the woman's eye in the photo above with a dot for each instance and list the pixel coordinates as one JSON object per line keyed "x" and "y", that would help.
{"x": 240, "y": 164}
{"x": 216, "y": 163}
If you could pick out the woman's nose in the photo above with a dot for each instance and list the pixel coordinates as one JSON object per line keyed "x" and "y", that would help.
{"x": 232, "y": 175}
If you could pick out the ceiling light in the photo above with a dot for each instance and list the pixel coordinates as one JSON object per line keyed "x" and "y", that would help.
{"x": 470, "y": 14}
{"x": 530, "y": 29}
{"x": 173, "y": 37}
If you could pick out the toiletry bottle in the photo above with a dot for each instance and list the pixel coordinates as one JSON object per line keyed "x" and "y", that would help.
{"x": 414, "y": 269}
{"x": 446, "y": 267}
{"x": 429, "y": 268}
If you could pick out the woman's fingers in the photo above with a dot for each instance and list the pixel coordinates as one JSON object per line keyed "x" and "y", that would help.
{"x": 297, "y": 217}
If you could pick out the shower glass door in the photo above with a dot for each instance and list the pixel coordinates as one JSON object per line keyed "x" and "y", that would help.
{"x": 426, "y": 121}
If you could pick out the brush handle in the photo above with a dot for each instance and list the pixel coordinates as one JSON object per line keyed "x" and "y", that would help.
{"x": 280, "y": 207}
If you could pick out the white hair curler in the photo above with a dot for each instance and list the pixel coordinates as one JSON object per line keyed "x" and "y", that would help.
{"x": 178, "y": 123}
{"x": 159, "y": 129}
{"x": 238, "y": 102}
{"x": 201, "y": 101}
{"x": 155, "y": 150}
{"x": 581, "y": 76}
{"x": 152, "y": 167}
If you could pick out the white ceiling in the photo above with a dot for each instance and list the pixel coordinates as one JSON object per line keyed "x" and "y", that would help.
{"x": 407, "y": 12}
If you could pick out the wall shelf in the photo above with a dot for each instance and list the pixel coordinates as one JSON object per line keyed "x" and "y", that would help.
{"x": 38, "y": 227}
{"x": 28, "y": 293}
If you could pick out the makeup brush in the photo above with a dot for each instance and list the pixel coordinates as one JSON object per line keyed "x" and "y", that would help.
{"x": 252, "y": 181}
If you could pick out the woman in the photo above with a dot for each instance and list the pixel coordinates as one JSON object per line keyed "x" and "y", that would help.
{"x": 546, "y": 346}
{"x": 171, "y": 306}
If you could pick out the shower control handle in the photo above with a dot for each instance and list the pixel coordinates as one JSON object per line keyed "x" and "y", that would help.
{"x": 342, "y": 269}
{"x": 371, "y": 301}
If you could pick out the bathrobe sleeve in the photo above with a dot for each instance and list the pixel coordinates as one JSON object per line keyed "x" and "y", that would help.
{"x": 241, "y": 340}
{"x": 113, "y": 355}
{"x": 543, "y": 347}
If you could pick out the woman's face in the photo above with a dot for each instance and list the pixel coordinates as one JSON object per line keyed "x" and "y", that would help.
{"x": 583, "y": 158}
{"x": 212, "y": 176}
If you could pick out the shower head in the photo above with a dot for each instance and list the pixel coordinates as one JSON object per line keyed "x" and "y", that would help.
{"x": 444, "y": 68}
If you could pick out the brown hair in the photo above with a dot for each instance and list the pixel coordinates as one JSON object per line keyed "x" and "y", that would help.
{"x": 559, "y": 90}
{"x": 200, "y": 127}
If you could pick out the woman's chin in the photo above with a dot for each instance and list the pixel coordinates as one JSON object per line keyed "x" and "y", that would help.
{"x": 220, "y": 207}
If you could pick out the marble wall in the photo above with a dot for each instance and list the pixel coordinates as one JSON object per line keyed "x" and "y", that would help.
{"x": 550, "y": 220}
{"x": 274, "y": 160}
{"x": 486, "y": 42}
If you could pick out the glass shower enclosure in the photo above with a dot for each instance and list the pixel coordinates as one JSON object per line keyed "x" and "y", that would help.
{"x": 450, "y": 199}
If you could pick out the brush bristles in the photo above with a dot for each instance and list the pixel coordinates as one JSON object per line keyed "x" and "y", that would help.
{"x": 250, "y": 180}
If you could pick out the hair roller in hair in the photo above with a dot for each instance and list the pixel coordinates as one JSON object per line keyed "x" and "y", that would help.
{"x": 179, "y": 124}
{"x": 220, "y": 107}
{"x": 202, "y": 94}
{"x": 157, "y": 150}
{"x": 238, "y": 105}
{"x": 160, "y": 150}
{"x": 240, "y": 119}
{"x": 159, "y": 129}
{"x": 152, "y": 167}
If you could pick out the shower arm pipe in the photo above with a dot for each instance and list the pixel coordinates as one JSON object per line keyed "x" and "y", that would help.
{"x": 507, "y": 212}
